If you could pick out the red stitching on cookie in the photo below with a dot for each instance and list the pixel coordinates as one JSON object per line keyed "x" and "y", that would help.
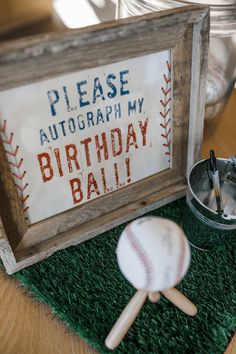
{"x": 166, "y": 110}
{"x": 166, "y": 91}
{"x": 15, "y": 165}
{"x": 167, "y": 145}
{"x": 20, "y": 177}
{"x": 166, "y": 135}
{"x": 168, "y": 66}
{"x": 3, "y": 128}
{"x": 23, "y": 199}
{"x": 167, "y": 79}
{"x": 9, "y": 140}
{"x": 22, "y": 188}
{"x": 13, "y": 153}
{"x": 165, "y": 125}
{"x": 164, "y": 114}
{"x": 141, "y": 254}
{"x": 165, "y": 103}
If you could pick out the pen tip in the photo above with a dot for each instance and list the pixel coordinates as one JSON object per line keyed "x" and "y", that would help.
{"x": 212, "y": 154}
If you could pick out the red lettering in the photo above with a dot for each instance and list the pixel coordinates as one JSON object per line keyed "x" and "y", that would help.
{"x": 86, "y": 148}
{"x": 116, "y": 150}
{"x": 118, "y": 184}
{"x": 131, "y": 138}
{"x": 45, "y": 166}
{"x": 92, "y": 186}
{"x": 71, "y": 155}
{"x": 77, "y": 193}
{"x": 58, "y": 158}
{"x": 104, "y": 182}
{"x": 127, "y": 163}
{"x": 143, "y": 129}
{"x": 102, "y": 146}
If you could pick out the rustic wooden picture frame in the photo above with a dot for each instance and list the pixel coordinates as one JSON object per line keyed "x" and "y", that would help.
{"x": 185, "y": 31}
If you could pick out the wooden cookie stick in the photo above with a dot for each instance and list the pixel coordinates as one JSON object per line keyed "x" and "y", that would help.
{"x": 180, "y": 301}
{"x": 126, "y": 319}
{"x": 154, "y": 296}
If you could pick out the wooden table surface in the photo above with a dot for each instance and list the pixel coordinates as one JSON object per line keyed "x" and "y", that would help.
{"x": 27, "y": 327}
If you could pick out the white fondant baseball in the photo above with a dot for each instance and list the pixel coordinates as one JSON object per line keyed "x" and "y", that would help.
{"x": 153, "y": 253}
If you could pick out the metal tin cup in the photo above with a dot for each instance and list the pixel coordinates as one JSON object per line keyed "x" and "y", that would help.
{"x": 204, "y": 225}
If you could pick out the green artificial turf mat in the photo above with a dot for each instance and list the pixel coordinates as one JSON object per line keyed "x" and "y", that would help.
{"x": 84, "y": 288}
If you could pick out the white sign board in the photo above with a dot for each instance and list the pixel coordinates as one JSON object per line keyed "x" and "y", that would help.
{"x": 76, "y": 137}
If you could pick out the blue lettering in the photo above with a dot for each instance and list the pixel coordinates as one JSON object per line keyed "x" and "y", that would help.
{"x": 81, "y": 124}
{"x": 140, "y": 103}
{"x": 53, "y": 97}
{"x": 62, "y": 124}
{"x": 131, "y": 107}
{"x": 69, "y": 108}
{"x": 43, "y": 137}
{"x": 71, "y": 125}
{"x": 54, "y": 135}
{"x": 90, "y": 119}
{"x": 117, "y": 110}
{"x": 112, "y": 93}
{"x": 97, "y": 90}
{"x": 82, "y": 93}
{"x": 123, "y": 82}
{"x": 99, "y": 116}
{"x": 108, "y": 112}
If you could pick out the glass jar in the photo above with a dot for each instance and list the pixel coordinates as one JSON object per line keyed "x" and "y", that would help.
{"x": 222, "y": 54}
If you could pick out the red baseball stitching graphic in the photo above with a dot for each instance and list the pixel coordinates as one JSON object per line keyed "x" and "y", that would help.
{"x": 181, "y": 262}
{"x": 141, "y": 254}
{"x": 165, "y": 114}
{"x": 15, "y": 165}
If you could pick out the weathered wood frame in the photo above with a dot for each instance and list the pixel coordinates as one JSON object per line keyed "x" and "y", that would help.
{"x": 185, "y": 32}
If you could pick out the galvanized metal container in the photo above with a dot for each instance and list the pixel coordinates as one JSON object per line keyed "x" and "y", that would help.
{"x": 212, "y": 227}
